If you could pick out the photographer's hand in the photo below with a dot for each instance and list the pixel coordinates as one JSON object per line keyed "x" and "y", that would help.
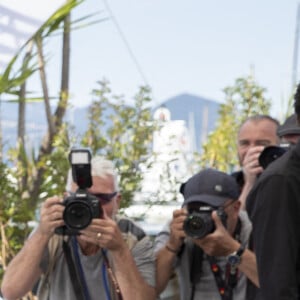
{"x": 251, "y": 166}
{"x": 251, "y": 169}
{"x": 177, "y": 233}
{"x": 51, "y": 216}
{"x": 221, "y": 243}
{"x": 218, "y": 243}
{"x": 104, "y": 233}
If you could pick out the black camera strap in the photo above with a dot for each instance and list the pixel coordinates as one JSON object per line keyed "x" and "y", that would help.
{"x": 78, "y": 284}
{"x": 195, "y": 266}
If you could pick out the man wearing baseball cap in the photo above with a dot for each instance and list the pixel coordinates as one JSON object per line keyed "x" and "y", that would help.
{"x": 206, "y": 241}
{"x": 289, "y": 131}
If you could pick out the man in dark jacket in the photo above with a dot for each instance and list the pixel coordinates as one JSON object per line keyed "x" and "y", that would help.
{"x": 274, "y": 209}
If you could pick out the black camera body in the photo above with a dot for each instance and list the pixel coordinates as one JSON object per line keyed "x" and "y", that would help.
{"x": 80, "y": 207}
{"x": 271, "y": 153}
{"x": 199, "y": 222}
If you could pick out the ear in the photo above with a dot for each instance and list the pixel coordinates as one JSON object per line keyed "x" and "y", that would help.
{"x": 118, "y": 199}
{"x": 181, "y": 189}
{"x": 237, "y": 205}
{"x": 116, "y": 204}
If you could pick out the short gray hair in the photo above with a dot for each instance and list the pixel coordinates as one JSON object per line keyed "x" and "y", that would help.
{"x": 100, "y": 167}
{"x": 258, "y": 118}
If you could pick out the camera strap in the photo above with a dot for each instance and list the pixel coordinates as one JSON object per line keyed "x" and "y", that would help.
{"x": 79, "y": 285}
{"x": 195, "y": 266}
{"x": 226, "y": 282}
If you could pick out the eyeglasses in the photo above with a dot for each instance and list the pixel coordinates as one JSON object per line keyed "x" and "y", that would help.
{"x": 103, "y": 197}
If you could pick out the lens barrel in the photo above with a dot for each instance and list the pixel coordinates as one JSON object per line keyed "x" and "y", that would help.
{"x": 197, "y": 225}
{"x": 77, "y": 214}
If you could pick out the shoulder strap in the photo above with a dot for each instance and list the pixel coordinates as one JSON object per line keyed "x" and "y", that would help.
{"x": 131, "y": 232}
{"x": 195, "y": 265}
{"x": 53, "y": 252}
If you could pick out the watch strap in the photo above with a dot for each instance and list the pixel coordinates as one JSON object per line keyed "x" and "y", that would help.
{"x": 240, "y": 251}
{"x": 234, "y": 258}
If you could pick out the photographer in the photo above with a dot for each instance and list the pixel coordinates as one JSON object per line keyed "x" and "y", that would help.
{"x": 274, "y": 209}
{"x": 206, "y": 241}
{"x": 254, "y": 134}
{"x": 289, "y": 131}
{"x": 111, "y": 258}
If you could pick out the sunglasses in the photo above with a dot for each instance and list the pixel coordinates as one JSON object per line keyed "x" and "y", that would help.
{"x": 104, "y": 198}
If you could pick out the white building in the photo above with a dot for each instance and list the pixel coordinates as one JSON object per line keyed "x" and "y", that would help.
{"x": 169, "y": 168}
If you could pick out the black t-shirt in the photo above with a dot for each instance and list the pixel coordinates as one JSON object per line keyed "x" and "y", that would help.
{"x": 273, "y": 206}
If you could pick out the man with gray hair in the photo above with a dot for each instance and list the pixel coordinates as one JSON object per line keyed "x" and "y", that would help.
{"x": 112, "y": 258}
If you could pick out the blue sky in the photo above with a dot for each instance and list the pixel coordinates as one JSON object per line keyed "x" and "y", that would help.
{"x": 190, "y": 46}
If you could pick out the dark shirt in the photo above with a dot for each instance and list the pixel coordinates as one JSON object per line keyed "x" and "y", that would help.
{"x": 273, "y": 206}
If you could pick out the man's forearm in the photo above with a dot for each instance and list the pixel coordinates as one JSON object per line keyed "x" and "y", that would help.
{"x": 248, "y": 266}
{"x": 131, "y": 282}
{"x": 244, "y": 194}
{"x": 24, "y": 269}
{"x": 164, "y": 265}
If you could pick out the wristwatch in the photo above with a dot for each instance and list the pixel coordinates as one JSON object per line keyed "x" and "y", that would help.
{"x": 234, "y": 259}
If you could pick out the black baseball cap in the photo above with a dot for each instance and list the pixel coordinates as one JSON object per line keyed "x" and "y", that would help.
{"x": 210, "y": 186}
{"x": 290, "y": 126}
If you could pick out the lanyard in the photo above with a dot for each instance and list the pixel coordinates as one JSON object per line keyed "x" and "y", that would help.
{"x": 226, "y": 283}
{"x": 105, "y": 282}
{"x": 111, "y": 275}
{"x": 106, "y": 266}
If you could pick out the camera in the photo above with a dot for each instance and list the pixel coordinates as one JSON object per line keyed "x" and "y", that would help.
{"x": 80, "y": 207}
{"x": 199, "y": 223}
{"x": 271, "y": 153}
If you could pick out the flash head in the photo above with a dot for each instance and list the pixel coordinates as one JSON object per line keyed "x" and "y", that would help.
{"x": 80, "y": 161}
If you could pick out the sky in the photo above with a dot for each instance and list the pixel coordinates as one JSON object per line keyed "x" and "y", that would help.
{"x": 192, "y": 46}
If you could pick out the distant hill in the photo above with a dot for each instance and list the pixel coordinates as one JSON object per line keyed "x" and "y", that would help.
{"x": 200, "y": 115}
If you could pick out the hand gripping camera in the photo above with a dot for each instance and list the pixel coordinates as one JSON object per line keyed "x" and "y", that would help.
{"x": 80, "y": 207}
{"x": 199, "y": 223}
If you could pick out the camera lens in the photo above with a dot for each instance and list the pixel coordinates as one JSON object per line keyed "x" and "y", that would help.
{"x": 198, "y": 225}
{"x": 77, "y": 215}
